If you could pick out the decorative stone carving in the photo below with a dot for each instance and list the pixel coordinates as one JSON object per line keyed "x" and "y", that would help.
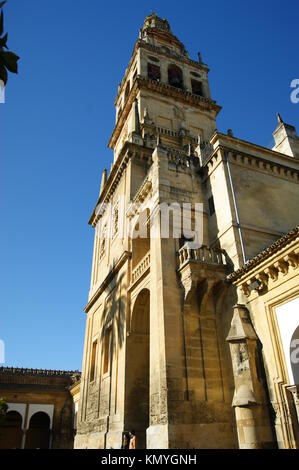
{"x": 281, "y": 266}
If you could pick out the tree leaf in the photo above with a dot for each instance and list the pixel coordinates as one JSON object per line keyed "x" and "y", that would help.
{"x": 9, "y": 60}
{"x": 3, "y": 74}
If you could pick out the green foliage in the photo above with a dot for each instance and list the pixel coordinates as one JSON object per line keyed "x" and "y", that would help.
{"x": 3, "y": 409}
{"x": 8, "y": 59}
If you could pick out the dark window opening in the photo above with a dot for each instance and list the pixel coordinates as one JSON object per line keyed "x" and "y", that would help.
{"x": 107, "y": 341}
{"x": 127, "y": 91}
{"x": 196, "y": 87}
{"x": 93, "y": 361}
{"x": 211, "y": 205}
{"x": 153, "y": 72}
{"x": 175, "y": 77}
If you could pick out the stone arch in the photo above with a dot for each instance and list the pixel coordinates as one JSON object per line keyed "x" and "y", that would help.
{"x": 38, "y": 434}
{"x": 201, "y": 325}
{"x": 11, "y": 432}
{"x": 137, "y": 369}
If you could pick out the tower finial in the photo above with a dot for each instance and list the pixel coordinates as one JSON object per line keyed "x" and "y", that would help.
{"x": 279, "y": 118}
{"x": 103, "y": 181}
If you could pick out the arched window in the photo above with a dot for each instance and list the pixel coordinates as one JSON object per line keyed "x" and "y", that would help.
{"x": 175, "y": 76}
{"x": 38, "y": 434}
{"x": 11, "y": 432}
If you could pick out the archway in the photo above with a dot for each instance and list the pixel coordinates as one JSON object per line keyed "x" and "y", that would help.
{"x": 137, "y": 369}
{"x": 38, "y": 434}
{"x": 11, "y": 432}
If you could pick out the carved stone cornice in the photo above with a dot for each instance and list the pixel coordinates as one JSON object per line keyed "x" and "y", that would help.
{"x": 253, "y": 162}
{"x": 172, "y": 55}
{"x": 269, "y": 265}
{"x": 140, "y": 82}
{"x": 180, "y": 95}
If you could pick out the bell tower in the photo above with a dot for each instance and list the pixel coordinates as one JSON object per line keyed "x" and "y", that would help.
{"x": 153, "y": 358}
{"x": 172, "y": 93}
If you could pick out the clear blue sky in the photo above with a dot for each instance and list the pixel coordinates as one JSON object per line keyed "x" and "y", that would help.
{"x": 56, "y": 122}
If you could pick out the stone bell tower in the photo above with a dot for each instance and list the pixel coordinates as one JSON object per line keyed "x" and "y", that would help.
{"x": 153, "y": 354}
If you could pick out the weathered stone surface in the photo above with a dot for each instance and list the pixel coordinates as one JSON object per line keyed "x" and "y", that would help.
{"x": 159, "y": 310}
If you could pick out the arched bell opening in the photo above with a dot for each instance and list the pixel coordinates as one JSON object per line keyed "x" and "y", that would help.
{"x": 175, "y": 76}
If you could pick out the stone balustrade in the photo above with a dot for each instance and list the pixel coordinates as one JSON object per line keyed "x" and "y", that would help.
{"x": 141, "y": 267}
{"x": 202, "y": 255}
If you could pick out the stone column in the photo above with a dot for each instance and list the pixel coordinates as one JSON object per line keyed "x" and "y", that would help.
{"x": 25, "y": 427}
{"x": 253, "y": 430}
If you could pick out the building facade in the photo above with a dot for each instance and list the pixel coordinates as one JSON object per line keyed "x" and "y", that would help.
{"x": 173, "y": 348}
{"x": 41, "y": 409}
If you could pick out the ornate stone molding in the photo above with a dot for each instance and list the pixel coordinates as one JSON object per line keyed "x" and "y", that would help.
{"x": 269, "y": 265}
{"x": 256, "y": 163}
{"x": 197, "y": 265}
{"x": 143, "y": 192}
{"x": 259, "y": 278}
{"x": 181, "y": 95}
{"x": 173, "y": 55}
